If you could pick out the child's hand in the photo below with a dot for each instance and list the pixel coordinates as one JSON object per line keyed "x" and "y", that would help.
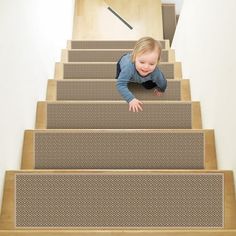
{"x": 157, "y": 93}
{"x": 135, "y": 105}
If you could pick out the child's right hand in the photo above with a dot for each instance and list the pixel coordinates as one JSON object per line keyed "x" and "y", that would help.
{"x": 135, "y": 105}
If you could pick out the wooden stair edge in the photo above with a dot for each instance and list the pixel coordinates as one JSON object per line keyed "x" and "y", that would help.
{"x": 51, "y": 90}
{"x": 185, "y": 90}
{"x": 172, "y": 51}
{"x": 121, "y": 102}
{"x": 178, "y": 70}
{"x": 196, "y": 115}
{"x": 68, "y": 44}
{"x": 106, "y": 49}
{"x": 27, "y": 159}
{"x": 64, "y": 55}
{"x": 7, "y": 220}
{"x": 109, "y": 40}
{"x": 41, "y": 115}
{"x": 189, "y": 232}
{"x": 171, "y": 55}
{"x": 59, "y": 70}
{"x": 7, "y": 201}
{"x": 210, "y": 150}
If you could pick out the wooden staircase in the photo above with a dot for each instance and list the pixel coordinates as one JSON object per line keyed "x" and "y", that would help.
{"x": 159, "y": 164}
{"x": 91, "y": 167}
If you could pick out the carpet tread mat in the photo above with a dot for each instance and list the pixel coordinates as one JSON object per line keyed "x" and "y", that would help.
{"x": 107, "y": 70}
{"x": 115, "y": 115}
{"x": 105, "y": 55}
{"x": 93, "y": 89}
{"x": 108, "y": 44}
{"x": 136, "y": 149}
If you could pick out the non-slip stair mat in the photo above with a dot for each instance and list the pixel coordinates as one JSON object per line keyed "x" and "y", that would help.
{"x": 103, "y": 70}
{"x": 94, "y": 90}
{"x": 117, "y": 116}
{"x": 119, "y": 200}
{"x": 94, "y": 150}
{"x": 95, "y": 56}
{"x": 93, "y": 44}
{"x": 103, "y": 56}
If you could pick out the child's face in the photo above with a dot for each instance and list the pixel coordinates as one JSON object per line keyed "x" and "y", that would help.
{"x": 146, "y": 63}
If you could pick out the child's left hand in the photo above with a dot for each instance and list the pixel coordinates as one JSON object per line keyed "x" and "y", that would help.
{"x": 157, "y": 93}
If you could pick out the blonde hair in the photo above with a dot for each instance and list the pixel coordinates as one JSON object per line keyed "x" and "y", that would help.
{"x": 146, "y": 44}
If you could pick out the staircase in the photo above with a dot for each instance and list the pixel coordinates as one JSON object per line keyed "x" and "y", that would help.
{"x": 91, "y": 167}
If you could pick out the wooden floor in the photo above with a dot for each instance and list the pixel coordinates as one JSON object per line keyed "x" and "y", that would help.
{"x": 92, "y": 19}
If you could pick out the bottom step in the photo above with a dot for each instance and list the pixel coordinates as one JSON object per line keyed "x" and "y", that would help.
{"x": 147, "y": 199}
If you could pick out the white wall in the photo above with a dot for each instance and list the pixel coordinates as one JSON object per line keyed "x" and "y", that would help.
{"x": 178, "y": 4}
{"x": 32, "y": 34}
{"x": 205, "y": 44}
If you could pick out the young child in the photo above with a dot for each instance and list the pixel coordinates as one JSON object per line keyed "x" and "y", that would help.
{"x": 140, "y": 66}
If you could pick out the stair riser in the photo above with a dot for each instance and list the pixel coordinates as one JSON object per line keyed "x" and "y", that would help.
{"x": 93, "y": 44}
{"x": 115, "y": 115}
{"x": 94, "y": 90}
{"x": 106, "y": 55}
{"x": 134, "y": 150}
{"x": 106, "y": 70}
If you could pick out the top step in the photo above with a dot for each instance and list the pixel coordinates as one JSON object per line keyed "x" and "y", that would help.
{"x": 108, "y": 44}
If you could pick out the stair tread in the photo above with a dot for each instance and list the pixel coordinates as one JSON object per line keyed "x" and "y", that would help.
{"x": 212, "y": 185}
{"x": 115, "y": 114}
{"x": 197, "y": 150}
{"x": 69, "y": 70}
{"x": 109, "y": 43}
{"x": 93, "y": 89}
{"x": 99, "y": 55}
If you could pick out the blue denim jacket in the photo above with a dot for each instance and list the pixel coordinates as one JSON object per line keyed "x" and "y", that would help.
{"x": 127, "y": 73}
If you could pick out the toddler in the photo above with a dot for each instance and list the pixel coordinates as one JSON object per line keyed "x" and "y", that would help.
{"x": 140, "y": 66}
